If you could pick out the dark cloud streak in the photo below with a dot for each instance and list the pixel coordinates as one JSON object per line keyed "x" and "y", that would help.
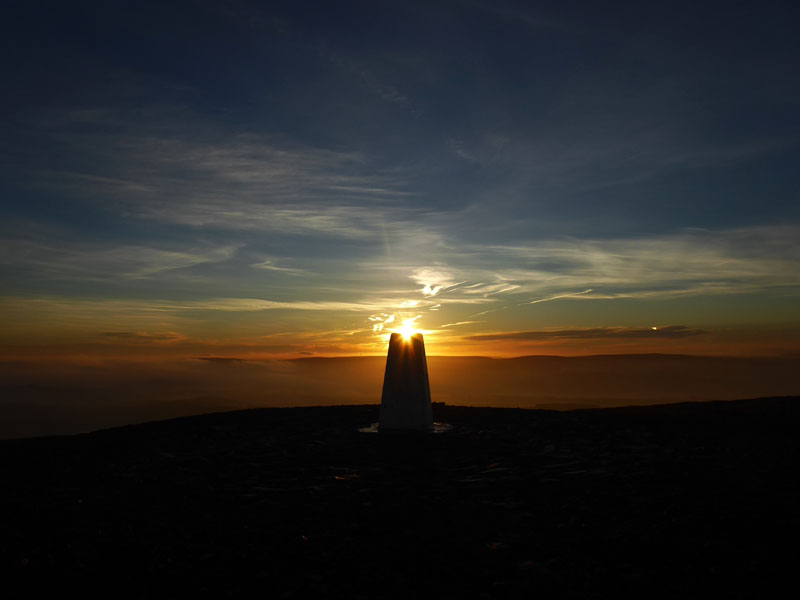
{"x": 595, "y": 333}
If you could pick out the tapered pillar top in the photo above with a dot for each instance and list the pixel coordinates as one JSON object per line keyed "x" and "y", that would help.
{"x": 406, "y": 399}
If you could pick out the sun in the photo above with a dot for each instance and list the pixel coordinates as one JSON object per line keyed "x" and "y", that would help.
{"x": 407, "y": 329}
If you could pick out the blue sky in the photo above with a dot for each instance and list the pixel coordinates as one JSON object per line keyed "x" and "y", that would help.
{"x": 264, "y": 178}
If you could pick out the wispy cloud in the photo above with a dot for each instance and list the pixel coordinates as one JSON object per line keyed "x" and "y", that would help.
{"x": 689, "y": 262}
{"x": 682, "y": 264}
{"x": 514, "y": 14}
{"x": 382, "y": 321}
{"x": 255, "y": 304}
{"x": 433, "y": 279}
{"x": 98, "y": 261}
{"x": 155, "y": 306}
{"x": 485, "y": 150}
{"x": 214, "y": 179}
{"x": 143, "y": 336}
{"x": 459, "y": 323}
{"x": 268, "y": 265}
{"x": 559, "y": 296}
{"x": 578, "y": 151}
{"x": 369, "y": 79}
{"x": 672, "y": 331}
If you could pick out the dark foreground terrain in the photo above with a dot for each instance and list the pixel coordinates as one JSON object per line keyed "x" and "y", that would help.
{"x": 654, "y": 502}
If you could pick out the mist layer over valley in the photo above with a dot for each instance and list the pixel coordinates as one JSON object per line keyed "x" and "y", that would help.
{"x": 63, "y": 398}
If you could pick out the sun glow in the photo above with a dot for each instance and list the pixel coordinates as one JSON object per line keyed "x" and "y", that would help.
{"x": 407, "y": 329}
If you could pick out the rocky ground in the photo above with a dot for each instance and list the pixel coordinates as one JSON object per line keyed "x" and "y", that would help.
{"x": 653, "y": 502}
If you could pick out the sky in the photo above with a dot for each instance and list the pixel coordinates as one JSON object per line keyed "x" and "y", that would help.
{"x": 287, "y": 179}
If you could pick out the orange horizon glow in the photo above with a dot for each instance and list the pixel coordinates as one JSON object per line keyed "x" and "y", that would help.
{"x": 746, "y": 344}
{"x": 45, "y": 329}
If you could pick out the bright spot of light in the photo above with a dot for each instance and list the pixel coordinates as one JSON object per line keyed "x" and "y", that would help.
{"x": 407, "y": 329}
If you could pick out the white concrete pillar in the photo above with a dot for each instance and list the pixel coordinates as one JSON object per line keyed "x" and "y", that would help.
{"x": 406, "y": 399}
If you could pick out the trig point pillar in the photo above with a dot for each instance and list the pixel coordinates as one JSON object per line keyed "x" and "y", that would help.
{"x": 406, "y": 399}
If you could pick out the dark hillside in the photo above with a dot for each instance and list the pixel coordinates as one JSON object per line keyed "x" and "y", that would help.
{"x": 657, "y": 502}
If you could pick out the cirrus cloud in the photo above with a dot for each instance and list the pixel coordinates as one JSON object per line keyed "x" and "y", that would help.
{"x": 593, "y": 333}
